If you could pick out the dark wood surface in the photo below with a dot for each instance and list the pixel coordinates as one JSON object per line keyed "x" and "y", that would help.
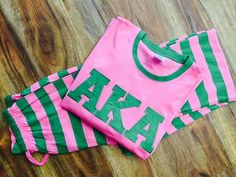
{"x": 38, "y": 38}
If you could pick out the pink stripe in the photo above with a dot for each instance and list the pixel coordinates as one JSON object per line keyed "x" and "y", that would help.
{"x": 16, "y": 96}
{"x": 88, "y": 131}
{"x": 223, "y": 104}
{"x": 162, "y": 45}
{"x": 177, "y": 48}
{"x": 73, "y": 69}
{"x": 186, "y": 119}
{"x": 24, "y": 128}
{"x": 89, "y": 135}
{"x": 201, "y": 61}
{"x": 68, "y": 80}
{"x": 181, "y": 38}
{"x": 13, "y": 138}
{"x": 204, "y": 111}
{"x": 199, "y": 32}
{"x": 222, "y": 64}
{"x": 63, "y": 117}
{"x": 34, "y": 87}
{"x": 44, "y": 122}
{"x": 53, "y": 77}
{"x": 171, "y": 129}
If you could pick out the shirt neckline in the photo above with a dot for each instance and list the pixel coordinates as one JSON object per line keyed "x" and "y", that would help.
{"x": 185, "y": 60}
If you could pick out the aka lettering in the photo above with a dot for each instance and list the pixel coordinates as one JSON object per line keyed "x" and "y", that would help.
{"x": 118, "y": 100}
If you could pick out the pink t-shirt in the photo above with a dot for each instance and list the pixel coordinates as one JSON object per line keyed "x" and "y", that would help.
{"x": 130, "y": 89}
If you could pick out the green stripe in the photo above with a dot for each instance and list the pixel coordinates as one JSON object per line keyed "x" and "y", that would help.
{"x": 195, "y": 115}
{"x": 186, "y": 49}
{"x": 9, "y": 101}
{"x": 62, "y": 73}
{"x": 178, "y": 123}
{"x": 16, "y": 149}
{"x": 26, "y": 91}
{"x": 15, "y": 129}
{"x": 213, "y": 107}
{"x": 53, "y": 119}
{"x": 74, "y": 75}
{"x": 44, "y": 81}
{"x": 166, "y": 135}
{"x": 100, "y": 138}
{"x": 202, "y": 95}
{"x": 192, "y": 34}
{"x": 79, "y": 67}
{"x": 213, "y": 67}
{"x": 186, "y": 107}
{"x": 33, "y": 123}
{"x": 170, "y": 43}
{"x": 78, "y": 131}
{"x": 61, "y": 87}
{"x": 75, "y": 121}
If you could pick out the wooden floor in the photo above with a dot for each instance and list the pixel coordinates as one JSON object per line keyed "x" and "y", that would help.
{"x": 38, "y": 38}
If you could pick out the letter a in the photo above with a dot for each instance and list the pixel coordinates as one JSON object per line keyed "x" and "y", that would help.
{"x": 97, "y": 81}
{"x": 151, "y": 118}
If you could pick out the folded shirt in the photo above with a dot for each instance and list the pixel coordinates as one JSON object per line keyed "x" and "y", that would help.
{"x": 130, "y": 89}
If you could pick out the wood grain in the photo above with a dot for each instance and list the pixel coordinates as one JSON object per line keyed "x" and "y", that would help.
{"x": 38, "y": 38}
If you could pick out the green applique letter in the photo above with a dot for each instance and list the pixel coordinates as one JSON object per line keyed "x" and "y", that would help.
{"x": 97, "y": 81}
{"x": 114, "y": 105}
{"x": 151, "y": 118}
